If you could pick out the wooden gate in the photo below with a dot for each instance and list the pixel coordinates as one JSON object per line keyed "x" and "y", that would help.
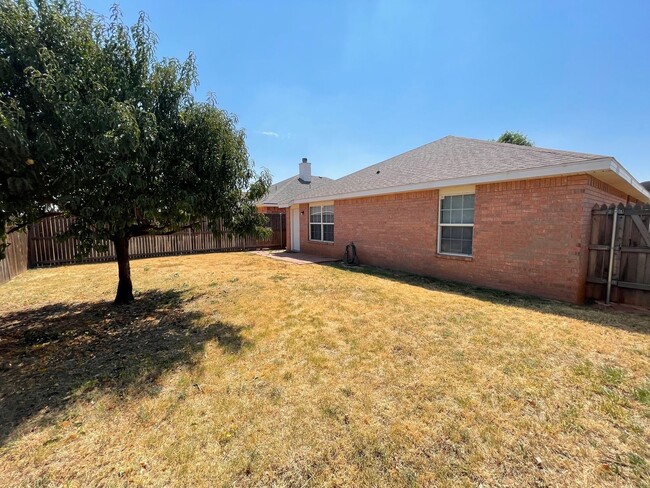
{"x": 619, "y": 261}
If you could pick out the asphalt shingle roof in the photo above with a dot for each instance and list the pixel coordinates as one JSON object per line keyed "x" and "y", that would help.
{"x": 448, "y": 158}
{"x": 287, "y": 190}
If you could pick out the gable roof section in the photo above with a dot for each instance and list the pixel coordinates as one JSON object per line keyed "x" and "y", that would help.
{"x": 452, "y": 161}
{"x": 288, "y": 189}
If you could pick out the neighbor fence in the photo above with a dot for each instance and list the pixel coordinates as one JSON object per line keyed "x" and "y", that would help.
{"x": 619, "y": 249}
{"x": 41, "y": 246}
{"x": 17, "y": 258}
{"x": 45, "y": 249}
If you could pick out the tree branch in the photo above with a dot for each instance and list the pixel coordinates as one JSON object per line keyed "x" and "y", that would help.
{"x": 16, "y": 228}
{"x": 145, "y": 230}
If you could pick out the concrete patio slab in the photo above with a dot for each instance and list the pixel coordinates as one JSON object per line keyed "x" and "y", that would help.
{"x": 296, "y": 257}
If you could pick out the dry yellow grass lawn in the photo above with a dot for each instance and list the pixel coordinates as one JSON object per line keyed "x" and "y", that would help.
{"x": 239, "y": 370}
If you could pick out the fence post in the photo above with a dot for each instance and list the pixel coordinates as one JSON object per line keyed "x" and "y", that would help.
{"x": 611, "y": 257}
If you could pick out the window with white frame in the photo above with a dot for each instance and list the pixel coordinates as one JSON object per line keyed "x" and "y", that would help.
{"x": 321, "y": 223}
{"x": 456, "y": 224}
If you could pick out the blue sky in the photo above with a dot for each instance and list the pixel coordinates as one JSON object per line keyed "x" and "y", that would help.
{"x": 348, "y": 84}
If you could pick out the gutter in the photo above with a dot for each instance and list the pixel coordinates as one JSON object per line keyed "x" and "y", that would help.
{"x": 619, "y": 170}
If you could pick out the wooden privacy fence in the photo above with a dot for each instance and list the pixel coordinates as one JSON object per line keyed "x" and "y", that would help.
{"x": 45, "y": 249}
{"x": 619, "y": 254}
{"x": 16, "y": 260}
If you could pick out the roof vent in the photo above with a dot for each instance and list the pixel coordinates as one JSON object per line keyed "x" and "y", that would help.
{"x": 304, "y": 171}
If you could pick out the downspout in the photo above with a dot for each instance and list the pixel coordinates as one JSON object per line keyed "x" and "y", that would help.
{"x": 611, "y": 257}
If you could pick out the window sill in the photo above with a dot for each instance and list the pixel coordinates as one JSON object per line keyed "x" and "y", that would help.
{"x": 327, "y": 243}
{"x": 457, "y": 257}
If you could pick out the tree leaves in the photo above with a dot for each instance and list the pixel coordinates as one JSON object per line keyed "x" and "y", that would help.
{"x": 116, "y": 137}
{"x": 518, "y": 138}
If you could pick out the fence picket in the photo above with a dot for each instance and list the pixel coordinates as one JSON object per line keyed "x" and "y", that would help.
{"x": 17, "y": 257}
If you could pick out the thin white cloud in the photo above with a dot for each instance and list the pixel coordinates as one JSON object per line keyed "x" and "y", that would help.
{"x": 269, "y": 133}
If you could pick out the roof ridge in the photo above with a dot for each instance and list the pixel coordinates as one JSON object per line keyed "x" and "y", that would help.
{"x": 508, "y": 145}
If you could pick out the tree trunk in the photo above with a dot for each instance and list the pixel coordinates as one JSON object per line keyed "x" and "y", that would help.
{"x": 124, "y": 287}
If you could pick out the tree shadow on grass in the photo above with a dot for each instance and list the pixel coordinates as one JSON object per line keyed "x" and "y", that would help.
{"x": 53, "y": 355}
{"x": 632, "y": 322}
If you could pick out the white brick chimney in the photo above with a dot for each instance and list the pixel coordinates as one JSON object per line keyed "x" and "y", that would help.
{"x": 305, "y": 171}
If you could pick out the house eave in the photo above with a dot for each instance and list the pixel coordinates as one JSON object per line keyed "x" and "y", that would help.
{"x": 640, "y": 193}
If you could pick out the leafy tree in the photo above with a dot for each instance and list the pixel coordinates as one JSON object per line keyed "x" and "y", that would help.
{"x": 94, "y": 126}
{"x": 518, "y": 138}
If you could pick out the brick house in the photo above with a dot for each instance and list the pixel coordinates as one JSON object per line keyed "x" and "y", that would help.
{"x": 498, "y": 215}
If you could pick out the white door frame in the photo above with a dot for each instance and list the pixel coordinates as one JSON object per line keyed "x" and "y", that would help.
{"x": 295, "y": 229}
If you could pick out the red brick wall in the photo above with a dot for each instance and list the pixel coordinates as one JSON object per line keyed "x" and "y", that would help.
{"x": 530, "y": 236}
{"x": 543, "y": 250}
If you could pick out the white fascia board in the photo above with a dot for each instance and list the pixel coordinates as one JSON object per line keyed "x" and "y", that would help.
{"x": 523, "y": 174}
{"x": 620, "y": 171}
